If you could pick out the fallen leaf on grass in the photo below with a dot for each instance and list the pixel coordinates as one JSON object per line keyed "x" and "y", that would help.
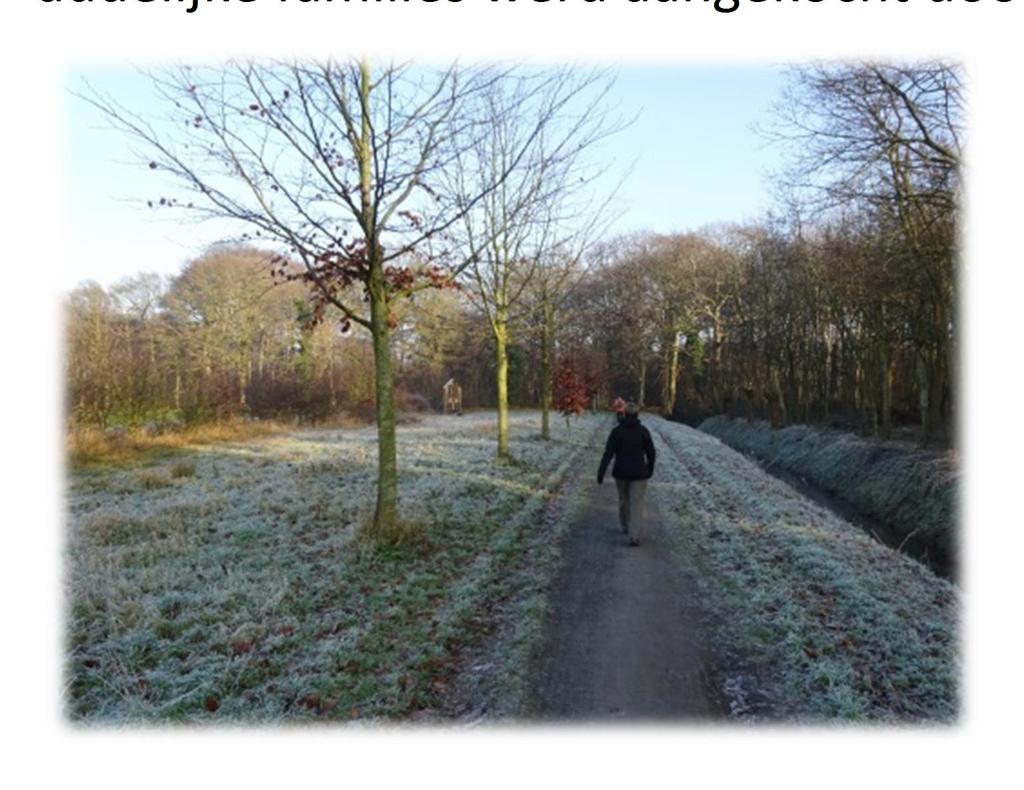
{"x": 240, "y": 646}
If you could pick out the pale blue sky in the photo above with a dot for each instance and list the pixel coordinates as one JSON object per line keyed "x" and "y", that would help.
{"x": 695, "y": 161}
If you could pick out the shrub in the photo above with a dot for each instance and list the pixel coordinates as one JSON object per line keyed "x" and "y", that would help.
{"x": 274, "y": 397}
{"x": 183, "y": 469}
{"x": 412, "y": 401}
{"x": 150, "y": 479}
{"x": 89, "y": 444}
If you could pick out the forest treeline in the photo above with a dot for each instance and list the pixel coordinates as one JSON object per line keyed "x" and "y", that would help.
{"x": 839, "y": 322}
{"x": 223, "y": 339}
{"x": 838, "y": 307}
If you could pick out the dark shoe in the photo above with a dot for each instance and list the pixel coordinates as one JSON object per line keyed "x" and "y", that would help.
{"x": 634, "y": 542}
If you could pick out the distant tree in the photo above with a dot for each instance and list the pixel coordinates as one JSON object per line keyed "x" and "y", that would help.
{"x": 554, "y": 280}
{"x": 608, "y": 320}
{"x": 636, "y": 311}
{"x": 439, "y": 336}
{"x": 139, "y": 300}
{"x": 570, "y": 391}
{"x": 90, "y": 359}
{"x": 887, "y": 141}
{"x": 218, "y": 301}
{"x": 541, "y": 212}
{"x": 671, "y": 262}
{"x": 139, "y": 296}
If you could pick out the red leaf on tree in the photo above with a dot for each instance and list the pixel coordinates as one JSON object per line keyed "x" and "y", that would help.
{"x": 570, "y": 391}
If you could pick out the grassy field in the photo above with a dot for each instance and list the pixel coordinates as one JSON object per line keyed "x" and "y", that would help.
{"x": 228, "y": 582}
{"x": 814, "y": 619}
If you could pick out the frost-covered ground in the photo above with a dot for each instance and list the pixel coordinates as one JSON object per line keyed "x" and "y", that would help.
{"x": 815, "y": 620}
{"x": 224, "y": 584}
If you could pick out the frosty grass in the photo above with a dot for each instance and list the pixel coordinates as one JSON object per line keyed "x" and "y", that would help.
{"x": 225, "y": 584}
{"x": 831, "y": 624}
{"x": 228, "y": 586}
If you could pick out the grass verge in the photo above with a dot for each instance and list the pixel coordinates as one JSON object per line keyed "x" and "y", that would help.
{"x": 813, "y": 618}
{"x": 492, "y": 681}
{"x": 913, "y": 492}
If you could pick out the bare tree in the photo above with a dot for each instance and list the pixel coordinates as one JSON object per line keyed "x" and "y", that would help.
{"x": 90, "y": 339}
{"x": 544, "y": 210}
{"x": 220, "y": 305}
{"x": 673, "y": 263}
{"x": 554, "y": 280}
{"x": 714, "y": 276}
{"x": 619, "y": 303}
{"x": 887, "y": 139}
{"x": 337, "y": 166}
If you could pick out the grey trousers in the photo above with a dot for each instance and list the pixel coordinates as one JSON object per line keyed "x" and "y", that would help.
{"x": 631, "y": 506}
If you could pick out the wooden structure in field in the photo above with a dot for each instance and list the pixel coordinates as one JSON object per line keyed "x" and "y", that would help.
{"x": 452, "y": 397}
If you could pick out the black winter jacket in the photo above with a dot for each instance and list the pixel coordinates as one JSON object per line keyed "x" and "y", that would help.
{"x": 631, "y": 445}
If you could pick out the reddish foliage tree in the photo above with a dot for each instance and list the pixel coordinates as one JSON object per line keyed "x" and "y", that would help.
{"x": 570, "y": 391}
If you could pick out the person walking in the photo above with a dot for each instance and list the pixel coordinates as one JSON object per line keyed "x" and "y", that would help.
{"x": 631, "y": 446}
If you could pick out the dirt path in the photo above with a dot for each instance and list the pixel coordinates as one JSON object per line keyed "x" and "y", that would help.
{"x": 793, "y": 612}
{"x": 624, "y": 638}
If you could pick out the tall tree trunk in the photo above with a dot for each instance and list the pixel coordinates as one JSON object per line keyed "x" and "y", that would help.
{"x": 501, "y": 354}
{"x": 547, "y": 332}
{"x": 780, "y": 398}
{"x": 951, "y": 366}
{"x": 933, "y": 416}
{"x": 938, "y": 372}
{"x": 385, "y": 520}
{"x": 673, "y": 376}
{"x": 717, "y": 386}
{"x": 334, "y": 389}
{"x": 643, "y": 382}
{"x": 858, "y": 386}
{"x": 923, "y": 393}
{"x": 153, "y": 377}
{"x": 885, "y": 369}
{"x": 827, "y": 381}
